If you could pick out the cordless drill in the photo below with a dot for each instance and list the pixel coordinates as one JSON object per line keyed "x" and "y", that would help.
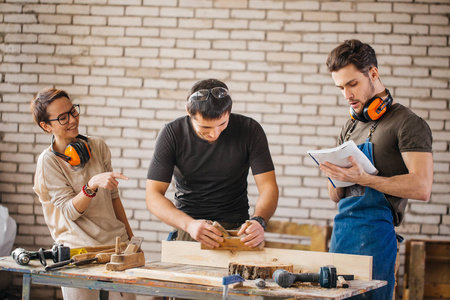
{"x": 58, "y": 253}
{"x": 326, "y": 277}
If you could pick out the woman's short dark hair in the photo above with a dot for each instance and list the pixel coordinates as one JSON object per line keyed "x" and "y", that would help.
{"x": 211, "y": 109}
{"x": 355, "y": 52}
{"x": 43, "y": 99}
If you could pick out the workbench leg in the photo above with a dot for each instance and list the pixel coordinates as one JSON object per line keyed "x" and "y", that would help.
{"x": 26, "y": 286}
{"x": 103, "y": 295}
{"x": 416, "y": 281}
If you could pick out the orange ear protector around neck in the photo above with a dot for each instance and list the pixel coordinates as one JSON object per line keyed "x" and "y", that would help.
{"x": 373, "y": 109}
{"x": 77, "y": 154}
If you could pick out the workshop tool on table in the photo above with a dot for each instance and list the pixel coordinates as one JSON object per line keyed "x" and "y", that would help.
{"x": 118, "y": 249}
{"x": 58, "y": 253}
{"x": 90, "y": 249}
{"x": 231, "y": 241}
{"x": 326, "y": 277}
{"x": 260, "y": 283}
{"x": 230, "y": 279}
{"x": 84, "y": 259}
{"x": 342, "y": 282}
{"x": 132, "y": 257}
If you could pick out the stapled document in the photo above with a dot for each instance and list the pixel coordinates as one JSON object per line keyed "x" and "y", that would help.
{"x": 339, "y": 156}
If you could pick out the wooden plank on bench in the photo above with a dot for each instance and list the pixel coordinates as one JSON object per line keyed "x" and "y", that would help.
{"x": 190, "y": 253}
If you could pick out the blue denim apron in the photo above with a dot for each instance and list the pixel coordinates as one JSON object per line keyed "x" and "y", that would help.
{"x": 364, "y": 226}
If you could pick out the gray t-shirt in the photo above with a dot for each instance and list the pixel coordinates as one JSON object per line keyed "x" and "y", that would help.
{"x": 56, "y": 184}
{"x": 211, "y": 179}
{"x": 399, "y": 130}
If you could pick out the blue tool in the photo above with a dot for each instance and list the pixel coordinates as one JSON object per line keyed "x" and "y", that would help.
{"x": 326, "y": 277}
{"x": 230, "y": 279}
{"x": 260, "y": 283}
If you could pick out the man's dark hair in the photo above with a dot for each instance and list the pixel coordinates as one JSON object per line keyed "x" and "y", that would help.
{"x": 361, "y": 55}
{"x": 211, "y": 109}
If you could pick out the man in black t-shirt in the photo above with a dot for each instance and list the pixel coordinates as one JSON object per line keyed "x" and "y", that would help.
{"x": 209, "y": 152}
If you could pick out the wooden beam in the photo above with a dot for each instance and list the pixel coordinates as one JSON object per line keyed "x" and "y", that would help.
{"x": 180, "y": 273}
{"x": 416, "y": 280}
{"x": 191, "y": 254}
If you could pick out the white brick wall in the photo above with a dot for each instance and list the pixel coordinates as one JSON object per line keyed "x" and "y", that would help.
{"x": 130, "y": 64}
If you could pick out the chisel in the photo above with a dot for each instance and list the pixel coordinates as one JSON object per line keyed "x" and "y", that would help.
{"x": 82, "y": 259}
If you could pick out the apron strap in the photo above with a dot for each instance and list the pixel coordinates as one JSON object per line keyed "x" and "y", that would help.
{"x": 369, "y": 136}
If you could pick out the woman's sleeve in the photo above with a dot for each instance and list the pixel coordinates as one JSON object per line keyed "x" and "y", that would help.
{"x": 53, "y": 186}
{"x": 105, "y": 153}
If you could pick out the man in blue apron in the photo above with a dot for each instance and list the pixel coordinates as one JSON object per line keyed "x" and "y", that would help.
{"x": 398, "y": 142}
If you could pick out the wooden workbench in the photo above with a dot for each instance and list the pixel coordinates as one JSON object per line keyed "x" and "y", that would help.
{"x": 98, "y": 278}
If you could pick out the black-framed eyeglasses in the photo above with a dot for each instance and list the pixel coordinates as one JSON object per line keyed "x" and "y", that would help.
{"x": 203, "y": 95}
{"x": 63, "y": 118}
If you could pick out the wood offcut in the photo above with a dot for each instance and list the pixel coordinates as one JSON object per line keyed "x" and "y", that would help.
{"x": 255, "y": 270}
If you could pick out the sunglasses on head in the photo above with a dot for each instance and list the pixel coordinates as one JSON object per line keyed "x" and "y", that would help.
{"x": 203, "y": 95}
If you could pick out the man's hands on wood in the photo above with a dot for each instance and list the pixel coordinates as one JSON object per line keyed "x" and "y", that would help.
{"x": 204, "y": 232}
{"x": 254, "y": 233}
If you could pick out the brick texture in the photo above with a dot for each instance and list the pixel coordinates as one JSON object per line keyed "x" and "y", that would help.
{"x": 130, "y": 63}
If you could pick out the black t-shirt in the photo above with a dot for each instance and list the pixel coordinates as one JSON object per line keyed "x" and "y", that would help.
{"x": 399, "y": 130}
{"x": 211, "y": 179}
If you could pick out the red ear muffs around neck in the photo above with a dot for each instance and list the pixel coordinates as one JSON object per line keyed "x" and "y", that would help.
{"x": 374, "y": 109}
{"x": 77, "y": 154}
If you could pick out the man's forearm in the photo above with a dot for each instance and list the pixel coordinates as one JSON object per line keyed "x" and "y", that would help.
{"x": 268, "y": 195}
{"x": 402, "y": 186}
{"x": 267, "y": 204}
{"x": 166, "y": 211}
{"x": 414, "y": 185}
{"x": 407, "y": 186}
{"x": 336, "y": 194}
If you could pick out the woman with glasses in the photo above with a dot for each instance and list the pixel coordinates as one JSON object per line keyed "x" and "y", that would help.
{"x": 76, "y": 184}
{"x": 209, "y": 152}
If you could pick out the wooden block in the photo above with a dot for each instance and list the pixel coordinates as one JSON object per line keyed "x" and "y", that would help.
{"x": 190, "y": 253}
{"x": 120, "y": 262}
{"x": 221, "y": 228}
{"x": 232, "y": 242}
{"x": 255, "y": 270}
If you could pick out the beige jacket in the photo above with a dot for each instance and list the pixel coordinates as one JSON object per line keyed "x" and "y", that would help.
{"x": 56, "y": 183}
